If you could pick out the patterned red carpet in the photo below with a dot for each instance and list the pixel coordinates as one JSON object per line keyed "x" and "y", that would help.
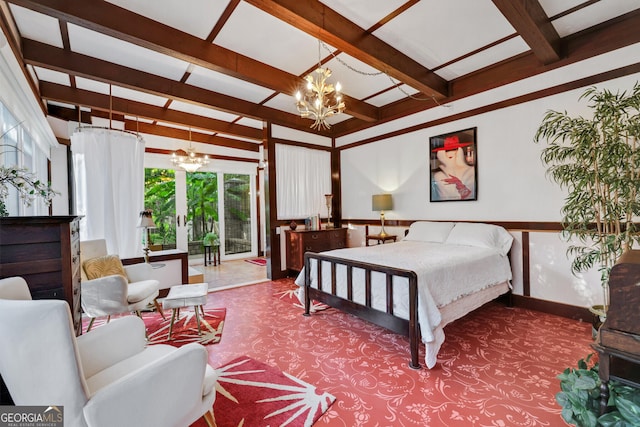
{"x": 497, "y": 367}
{"x": 251, "y": 393}
{"x": 185, "y": 328}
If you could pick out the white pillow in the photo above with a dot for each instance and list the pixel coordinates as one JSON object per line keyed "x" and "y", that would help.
{"x": 481, "y": 235}
{"x": 428, "y": 231}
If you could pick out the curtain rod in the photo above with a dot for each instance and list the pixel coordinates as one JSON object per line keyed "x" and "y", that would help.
{"x": 81, "y": 128}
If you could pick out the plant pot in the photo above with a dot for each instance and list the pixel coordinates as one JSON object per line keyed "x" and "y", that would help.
{"x": 599, "y": 316}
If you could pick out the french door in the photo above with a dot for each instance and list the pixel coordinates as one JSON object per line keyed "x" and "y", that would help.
{"x": 188, "y": 206}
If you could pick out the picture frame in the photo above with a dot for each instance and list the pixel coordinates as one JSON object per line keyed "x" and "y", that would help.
{"x": 453, "y": 169}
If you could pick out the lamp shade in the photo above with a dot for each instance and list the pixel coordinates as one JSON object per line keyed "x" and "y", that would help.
{"x": 381, "y": 202}
{"x": 146, "y": 220}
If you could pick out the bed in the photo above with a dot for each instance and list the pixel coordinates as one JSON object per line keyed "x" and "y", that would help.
{"x": 438, "y": 273}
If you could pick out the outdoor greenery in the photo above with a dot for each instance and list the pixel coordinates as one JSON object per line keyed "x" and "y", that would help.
{"x": 596, "y": 159}
{"x": 202, "y": 207}
{"x": 580, "y": 398}
{"x": 202, "y": 202}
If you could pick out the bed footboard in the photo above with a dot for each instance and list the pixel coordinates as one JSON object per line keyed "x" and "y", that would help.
{"x": 386, "y": 319}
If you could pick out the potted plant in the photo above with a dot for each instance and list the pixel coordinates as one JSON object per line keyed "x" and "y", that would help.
{"x": 596, "y": 160}
{"x": 580, "y": 398}
{"x": 211, "y": 239}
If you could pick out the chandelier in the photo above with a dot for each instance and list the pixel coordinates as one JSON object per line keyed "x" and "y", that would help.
{"x": 189, "y": 160}
{"x": 320, "y": 99}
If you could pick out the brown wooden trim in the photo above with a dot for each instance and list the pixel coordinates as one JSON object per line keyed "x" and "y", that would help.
{"x": 551, "y": 307}
{"x": 211, "y": 156}
{"x": 274, "y": 258}
{"x": 526, "y": 273}
{"x": 336, "y": 211}
{"x": 509, "y": 225}
{"x": 301, "y": 144}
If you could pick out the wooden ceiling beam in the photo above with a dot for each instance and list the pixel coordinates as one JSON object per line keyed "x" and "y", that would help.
{"x": 211, "y": 156}
{"x": 169, "y": 132}
{"x": 46, "y": 56}
{"x": 74, "y": 96}
{"x": 71, "y": 114}
{"x": 106, "y": 18}
{"x": 320, "y": 21}
{"x": 533, "y": 25}
{"x": 606, "y": 37}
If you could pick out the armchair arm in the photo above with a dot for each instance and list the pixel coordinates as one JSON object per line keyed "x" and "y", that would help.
{"x": 111, "y": 343}
{"x": 139, "y": 272}
{"x": 168, "y": 392}
{"x": 104, "y": 296}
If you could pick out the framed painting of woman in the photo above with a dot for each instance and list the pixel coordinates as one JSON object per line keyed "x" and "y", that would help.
{"x": 453, "y": 166}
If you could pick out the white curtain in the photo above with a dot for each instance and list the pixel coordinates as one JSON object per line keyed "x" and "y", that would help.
{"x": 109, "y": 180}
{"x": 303, "y": 177}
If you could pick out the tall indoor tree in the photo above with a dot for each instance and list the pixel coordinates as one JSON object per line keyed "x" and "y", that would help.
{"x": 597, "y": 161}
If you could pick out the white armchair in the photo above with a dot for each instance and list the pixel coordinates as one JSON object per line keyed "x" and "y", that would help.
{"x": 129, "y": 292}
{"x": 107, "y": 377}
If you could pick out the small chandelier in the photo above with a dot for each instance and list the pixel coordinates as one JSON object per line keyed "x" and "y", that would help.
{"x": 320, "y": 99}
{"x": 189, "y": 160}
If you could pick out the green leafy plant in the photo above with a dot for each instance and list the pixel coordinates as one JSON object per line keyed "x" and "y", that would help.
{"x": 596, "y": 160}
{"x": 27, "y": 184}
{"x": 211, "y": 239}
{"x": 580, "y": 398}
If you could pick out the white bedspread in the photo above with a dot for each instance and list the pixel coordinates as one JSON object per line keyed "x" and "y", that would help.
{"x": 445, "y": 273}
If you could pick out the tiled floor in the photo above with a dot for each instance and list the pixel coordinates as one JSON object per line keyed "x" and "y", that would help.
{"x": 497, "y": 367}
{"x": 231, "y": 273}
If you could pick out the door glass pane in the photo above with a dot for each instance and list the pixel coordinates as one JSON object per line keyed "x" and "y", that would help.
{"x": 202, "y": 208}
{"x": 237, "y": 214}
{"x": 160, "y": 197}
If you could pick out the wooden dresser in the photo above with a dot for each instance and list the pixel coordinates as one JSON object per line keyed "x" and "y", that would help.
{"x": 618, "y": 344}
{"x": 45, "y": 251}
{"x": 301, "y": 241}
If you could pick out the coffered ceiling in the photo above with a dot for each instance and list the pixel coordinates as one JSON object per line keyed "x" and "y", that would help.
{"x": 224, "y": 67}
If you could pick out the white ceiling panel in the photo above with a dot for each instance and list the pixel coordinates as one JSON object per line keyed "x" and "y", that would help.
{"x": 433, "y": 32}
{"x": 283, "y": 102}
{"x": 592, "y": 15}
{"x": 52, "y": 76}
{"x": 393, "y": 95}
{"x": 358, "y": 79}
{"x": 246, "y": 121}
{"x": 119, "y": 92}
{"x": 202, "y": 111}
{"x": 554, "y": 7}
{"x": 138, "y": 119}
{"x": 485, "y": 58}
{"x": 253, "y": 33}
{"x": 92, "y": 85}
{"x": 63, "y": 104}
{"x": 364, "y": 13}
{"x": 37, "y": 26}
{"x": 110, "y": 49}
{"x": 223, "y": 135}
{"x": 197, "y": 18}
{"x": 136, "y": 95}
{"x": 227, "y": 85}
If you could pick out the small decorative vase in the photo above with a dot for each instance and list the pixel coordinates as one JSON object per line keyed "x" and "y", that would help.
{"x": 293, "y": 225}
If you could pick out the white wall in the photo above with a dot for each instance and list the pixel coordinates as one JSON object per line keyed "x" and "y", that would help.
{"x": 511, "y": 186}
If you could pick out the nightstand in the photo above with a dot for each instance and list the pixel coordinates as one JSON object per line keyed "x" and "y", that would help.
{"x": 379, "y": 238}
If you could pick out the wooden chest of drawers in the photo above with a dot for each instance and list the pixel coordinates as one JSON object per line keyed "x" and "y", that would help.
{"x": 45, "y": 251}
{"x": 299, "y": 242}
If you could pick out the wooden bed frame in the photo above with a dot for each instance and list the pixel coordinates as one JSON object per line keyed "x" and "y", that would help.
{"x": 386, "y": 319}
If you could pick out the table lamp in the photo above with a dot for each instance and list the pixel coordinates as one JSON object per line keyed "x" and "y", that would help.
{"x": 146, "y": 222}
{"x": 381, "y": 202}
